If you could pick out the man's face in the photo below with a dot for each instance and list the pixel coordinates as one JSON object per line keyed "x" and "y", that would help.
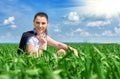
{"x": 40, "y": 24}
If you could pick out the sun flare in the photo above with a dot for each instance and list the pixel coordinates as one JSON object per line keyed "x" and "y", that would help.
{"x": 108, "y": 8}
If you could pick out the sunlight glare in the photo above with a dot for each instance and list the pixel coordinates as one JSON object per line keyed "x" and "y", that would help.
{"x": 108, "y": 8}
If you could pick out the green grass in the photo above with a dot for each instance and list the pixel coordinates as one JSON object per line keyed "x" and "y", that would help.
{"x": 95, "y": 61}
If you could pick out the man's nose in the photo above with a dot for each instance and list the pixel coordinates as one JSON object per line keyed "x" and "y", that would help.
{"x": 40, "y": 25}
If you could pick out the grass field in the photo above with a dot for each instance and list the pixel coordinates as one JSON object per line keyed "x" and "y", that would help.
{"x": 95, "y": 61}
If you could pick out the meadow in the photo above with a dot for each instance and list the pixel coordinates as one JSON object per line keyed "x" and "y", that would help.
{"x": 95, "y": 61}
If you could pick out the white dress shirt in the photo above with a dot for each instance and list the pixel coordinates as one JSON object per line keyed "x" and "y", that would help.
{"x": 35, "y": 42}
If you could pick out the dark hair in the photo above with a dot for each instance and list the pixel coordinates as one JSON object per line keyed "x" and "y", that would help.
{"x": 42, "y": 14}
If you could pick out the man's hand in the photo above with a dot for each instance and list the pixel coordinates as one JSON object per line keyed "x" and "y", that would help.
{"x": 74, "y": 50}
{"x": 41, "y": 37}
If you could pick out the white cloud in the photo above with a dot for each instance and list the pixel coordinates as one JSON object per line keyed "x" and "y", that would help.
{"x": 78, "y": 30}
{"x": 13, "y": 26}
{"x": 57, "y": 30}
{"x": 82, "y": 32}
{"x": 98, "y": 23}
{"x": 54, "y": 27}
{"x": 72, "y": 19}
{"x": 10, "y": 21}
{"x": 73, "y": 16}
{"x": 107, "y": 33}
{"x": 70, "y": 23}
{"x": 117, "y": 30}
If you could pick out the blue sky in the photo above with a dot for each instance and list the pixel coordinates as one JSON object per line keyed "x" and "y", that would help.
{"x": 95, "y": 21}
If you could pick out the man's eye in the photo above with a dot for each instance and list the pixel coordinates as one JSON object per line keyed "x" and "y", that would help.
{"x": 37, "y": 23}
{"x": 43, "y": 23}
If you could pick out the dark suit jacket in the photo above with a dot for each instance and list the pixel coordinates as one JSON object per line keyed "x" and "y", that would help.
{"x": 23, "y": 41}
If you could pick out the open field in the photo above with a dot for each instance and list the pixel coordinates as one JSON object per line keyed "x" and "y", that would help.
{"x": 95, "y": 61}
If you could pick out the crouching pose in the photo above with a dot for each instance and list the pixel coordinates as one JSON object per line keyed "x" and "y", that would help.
{"x": 36, "y": 41}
